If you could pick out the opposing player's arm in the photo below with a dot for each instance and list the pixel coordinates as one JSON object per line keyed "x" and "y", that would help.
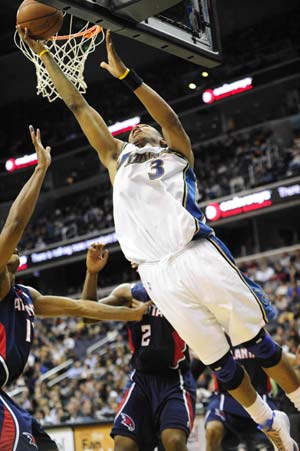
{"x": 157, "y": 107}
{"x": 58, "y": 306}
{"x": 22, "y": 209}
{"x": 90, "y": 121}
{"x": 96, "y": 260}
{"x": 121, "y": 295}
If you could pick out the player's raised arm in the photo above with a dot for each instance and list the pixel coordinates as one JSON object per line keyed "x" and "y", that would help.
{"x": 23, "y": 207}
{"x": 90, "y": 121}
{"x": 58, "y": 306}
{"x": 157, "y": 107}
{"x": 96, "y": 260}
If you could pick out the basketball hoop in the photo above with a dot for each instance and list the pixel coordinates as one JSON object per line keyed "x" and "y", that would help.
{"x": 69, "y": 51}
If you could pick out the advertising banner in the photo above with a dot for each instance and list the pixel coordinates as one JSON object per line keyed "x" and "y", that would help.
{"x": 63, "y": 437}
{"x": 93, "y": 438}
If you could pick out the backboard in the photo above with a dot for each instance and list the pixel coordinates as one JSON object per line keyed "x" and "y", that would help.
{"x": 187, "y": 28}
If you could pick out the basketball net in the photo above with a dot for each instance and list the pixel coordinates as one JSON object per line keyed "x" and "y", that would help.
{"x": 69, "y": 51}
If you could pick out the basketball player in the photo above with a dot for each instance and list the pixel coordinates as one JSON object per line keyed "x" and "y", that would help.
{"x": 158, "y": 403}
{"x": 188, "y": 272}
{"x": 227, "y": 424}
{"x": 18, "y": 306}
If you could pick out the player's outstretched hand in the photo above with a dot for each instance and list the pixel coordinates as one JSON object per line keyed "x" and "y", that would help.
{"x": 96, "y": 258}
{"x": 43, "y": 153}
{"x": 139, "y": 309}
{"x": 35, "y": 45}
{"x": 115, "y": 65}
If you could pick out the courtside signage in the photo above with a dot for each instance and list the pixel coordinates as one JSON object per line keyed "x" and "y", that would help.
{"x": 239, "y": 205}
{"x": 227, "y": 89}
{"x": 55, "y": 253}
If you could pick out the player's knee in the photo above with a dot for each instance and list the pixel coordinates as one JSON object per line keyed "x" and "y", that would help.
{"x": 125, "y": 444}
{"x": 267, "y": 352}
{"x": 228, "y": 371}
{"x": 174, "y": 440}
{"x": 214, "y": 433}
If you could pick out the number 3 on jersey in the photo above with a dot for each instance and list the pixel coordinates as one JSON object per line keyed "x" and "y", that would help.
{"x": 157, "y": 169}
{"x": 146, "y": 334}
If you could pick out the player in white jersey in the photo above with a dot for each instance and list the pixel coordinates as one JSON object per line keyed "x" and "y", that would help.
{"x": 188, "y": 272}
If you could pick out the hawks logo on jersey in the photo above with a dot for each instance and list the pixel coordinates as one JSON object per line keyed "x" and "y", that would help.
{"x": 128, "y": 422}
{"x": 31, "y": 439}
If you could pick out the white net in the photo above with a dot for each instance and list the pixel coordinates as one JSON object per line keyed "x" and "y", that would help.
{"x": 70, "y": 52}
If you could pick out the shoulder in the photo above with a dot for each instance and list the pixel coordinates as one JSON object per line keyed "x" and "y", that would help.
{"x": 180, "y": 156}
{"x": 34, "y": 294}
{"x": 138, "y": 292}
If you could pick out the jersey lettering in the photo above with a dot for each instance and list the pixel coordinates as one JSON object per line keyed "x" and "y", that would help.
{"x": 28, "y": 330}
{"x": 146, "y": 334}
{"x": 157, "y": 169}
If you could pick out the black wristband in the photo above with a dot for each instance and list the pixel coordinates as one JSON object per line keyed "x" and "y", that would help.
{"x": 132, "y": 80}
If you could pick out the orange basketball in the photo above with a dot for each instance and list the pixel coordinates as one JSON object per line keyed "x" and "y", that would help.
{"x": 42, "y": 21}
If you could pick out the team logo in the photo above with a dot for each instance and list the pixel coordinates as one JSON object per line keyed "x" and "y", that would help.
{"x": 128, "y": 422}
{"x": 31, "y": 439}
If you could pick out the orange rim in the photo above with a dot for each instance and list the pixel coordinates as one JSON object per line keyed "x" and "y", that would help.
{"x": 89, "y": 33}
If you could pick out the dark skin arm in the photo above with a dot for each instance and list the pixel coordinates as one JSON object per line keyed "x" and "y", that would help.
{"x": 96, "y": 260}
{"x": 90, "y": 121}
{"x": 58, "y": 306}
{"x": 156, "y": 106}
{"x": 21, "y": 210}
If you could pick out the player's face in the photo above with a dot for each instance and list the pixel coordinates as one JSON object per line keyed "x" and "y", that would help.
{"x": 143, "y": 134}
{"x": 14, "y": 262}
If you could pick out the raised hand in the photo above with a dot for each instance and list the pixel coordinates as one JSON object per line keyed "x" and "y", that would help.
{"x": 43, "y": 153}
{"x": 115, "y": 65}
{"x": 96, "y": 258}
{"x": 35, "y": 45}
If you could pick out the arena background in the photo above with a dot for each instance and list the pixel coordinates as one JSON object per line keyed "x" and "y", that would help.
{"x": 247, "y": 151}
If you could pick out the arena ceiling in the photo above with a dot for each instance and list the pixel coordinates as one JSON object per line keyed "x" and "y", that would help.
{"x": 233, "y": 14}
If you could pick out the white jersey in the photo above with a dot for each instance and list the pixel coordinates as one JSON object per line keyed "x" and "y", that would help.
{"x": 154, "y": 197}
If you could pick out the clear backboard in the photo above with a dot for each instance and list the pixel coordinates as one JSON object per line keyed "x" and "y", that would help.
{"x": 187, "y": 28}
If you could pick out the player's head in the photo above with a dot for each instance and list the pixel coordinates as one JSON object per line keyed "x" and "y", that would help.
{"x": 14, "y": 262}
{"x": 143, "y": 134}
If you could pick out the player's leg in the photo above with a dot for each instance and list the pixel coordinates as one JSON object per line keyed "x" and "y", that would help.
{"x": 125, "y": 444}
{"x": 203, "y": 284}
{"x": 214, "y": 434}
{"x": 174, "y": 440}
{"x": 133, "y": 424}
{"x": 175, "y": 410}
{"x": 275, "y": 364}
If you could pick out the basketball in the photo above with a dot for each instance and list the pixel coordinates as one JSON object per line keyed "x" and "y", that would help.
{"x": 42, "y": 21}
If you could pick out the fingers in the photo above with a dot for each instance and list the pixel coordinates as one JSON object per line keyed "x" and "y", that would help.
{"x": 35, "y": 135}
{"x": 104, "y": 65}
{"x": 32, "y": 133}
{"x": 98, "y": 250}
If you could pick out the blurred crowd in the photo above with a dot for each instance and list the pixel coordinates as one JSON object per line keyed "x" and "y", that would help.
{"x": 71, "y": 398}
{"x": 86, "y": 213}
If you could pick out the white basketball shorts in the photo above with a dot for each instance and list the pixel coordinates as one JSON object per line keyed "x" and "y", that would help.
{"x": 202, "y": 294}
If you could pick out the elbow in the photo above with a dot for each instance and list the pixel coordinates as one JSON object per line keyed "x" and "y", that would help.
{"x": 75, "y": 103}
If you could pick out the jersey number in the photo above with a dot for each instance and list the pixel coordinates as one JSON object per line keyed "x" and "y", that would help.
{"x": 28, "y": 330}
{"x": 146, "y": 334}
{"x": 157, "y": 169}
